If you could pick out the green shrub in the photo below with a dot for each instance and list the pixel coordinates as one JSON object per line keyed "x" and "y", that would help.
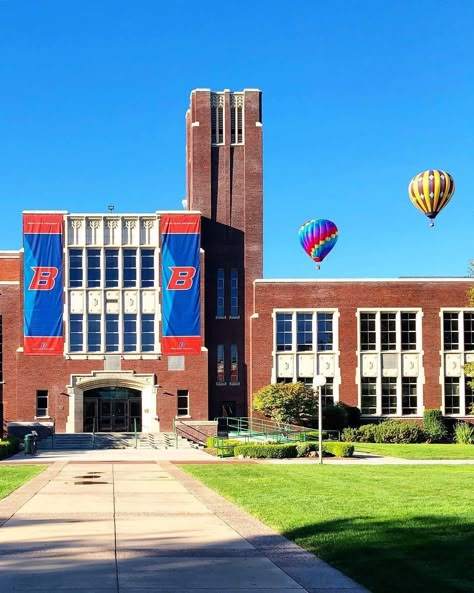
{"x": 335, "y": 417}
{"x": 9, "y": 446}
{"x": 272, "y": 451}
{"x": 339, "y": 449}
{"x": 304, "y": 449}
{"x": 351, "y": 435}
{"x": 434, "y": 426}
{"x": 399, "y": 431}
{"x": 390, "y": 431}
{"x": 367, "y": 433}
{"x": 464, "y": 433}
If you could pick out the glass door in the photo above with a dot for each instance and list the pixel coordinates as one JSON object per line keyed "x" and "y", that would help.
{"x": 90, "y": 414}
{"x": 120, "y": 415}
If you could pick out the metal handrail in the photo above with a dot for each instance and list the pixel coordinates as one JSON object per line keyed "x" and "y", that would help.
{"x": 260, "y": 427}
{"x": 93, "y": 432}
{"x": 135, "y": 431}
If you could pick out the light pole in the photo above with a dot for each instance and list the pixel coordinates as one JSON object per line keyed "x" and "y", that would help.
{"x": 319, "y": 381}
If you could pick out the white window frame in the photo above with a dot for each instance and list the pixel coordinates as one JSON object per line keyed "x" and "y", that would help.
{"x": 464, "y": 356}
{"x": 314, "y": 353}
{"x": 398, "y": 352}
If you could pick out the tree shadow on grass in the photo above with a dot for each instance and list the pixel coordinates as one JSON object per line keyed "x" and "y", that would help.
{"x": 419, "y": 554}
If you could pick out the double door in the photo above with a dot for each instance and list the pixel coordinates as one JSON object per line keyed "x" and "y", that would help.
{"x": 112, "y": 415}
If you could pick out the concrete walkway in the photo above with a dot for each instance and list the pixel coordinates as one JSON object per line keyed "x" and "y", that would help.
{"x": 122, "y": 527}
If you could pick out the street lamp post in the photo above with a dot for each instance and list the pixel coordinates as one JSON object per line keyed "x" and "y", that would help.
{"x": 319, "y": 381}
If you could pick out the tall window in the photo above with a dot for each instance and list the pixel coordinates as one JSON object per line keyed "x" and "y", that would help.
{"x": 111, "y": 333}
{"x": 236, "y": 118}
{"x": 112, "y": 317}
{"x": 304, "y": 331}
{"x": 389, "y": 395}
{"x": 325, "y": 331}
{"x": 234, "y": 364}
{"x": 75, "y": 268}
{"x": 183, "y": 402}
{"x": 41, "y": 403}
{"x": 147, "y": 268}
{"x": 327, "y": 392}
{"x": 390, "y": 362}
{"x": 234, "y": 293}
{"x": 220, "y": 311}
{"x": 284, "y": 333}
{"x": 314, "y": 331}
{"x": 388, "y": 331}
{"x": 76, "y": 332}
{"x": 367, "y": 331}
{"x": 93, "y": 268}
{"x": 409, "y": 396}
{"x": 217, "y": 118}
{"x": 452, "y": 400}
{"x": 458, "y": 345}
{"x": 111, "y": 268}
{"x": 129, "y": 268}
{"x": 408, "y": 331}
{"x": 148, "y": 332}
{"x": 369, "y": 395}
{"x": 220, "y": 371}
{"x": 130, "y": 333}
{"x": 94, "y": 336}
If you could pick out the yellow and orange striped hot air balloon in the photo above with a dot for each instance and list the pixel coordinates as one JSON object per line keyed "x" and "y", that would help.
{"x": 430, "y": 191}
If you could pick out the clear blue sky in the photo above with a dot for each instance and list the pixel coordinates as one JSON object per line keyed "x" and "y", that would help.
{"x": 359, "y": 96}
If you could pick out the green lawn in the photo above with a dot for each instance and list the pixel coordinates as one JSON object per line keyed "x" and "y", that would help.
{"x": 418, "y": 451}
{"x": 12, "y": 477}
{"x": 395, "y": 529}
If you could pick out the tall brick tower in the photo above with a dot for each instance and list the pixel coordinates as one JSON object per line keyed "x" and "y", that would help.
{"x": 224, "y": 182}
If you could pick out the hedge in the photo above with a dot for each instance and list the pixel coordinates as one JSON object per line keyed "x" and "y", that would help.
{"x": 9, "y": 446}
{"x": 287, "y": 450}
{"x": 389, "y": 431}
{"x": 270, "y": 451}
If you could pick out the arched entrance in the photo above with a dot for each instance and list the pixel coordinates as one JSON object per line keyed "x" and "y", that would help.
{"x": 112, "y": 409}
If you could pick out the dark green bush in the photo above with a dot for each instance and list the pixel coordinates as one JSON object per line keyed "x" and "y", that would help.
{"x": 339, "y": 449}
{"x": 434, "y": 426}
{"x": 390, "y": 431}
{"x": 304, "y": 449}
{"x": 9, "y": 446}
{"x": 399, "y": 431}
{"x": 367, "y": 433}
{"x": 335, "y": 417}
{"x": 267, "y": 451}
{"x": 351, "y": 435}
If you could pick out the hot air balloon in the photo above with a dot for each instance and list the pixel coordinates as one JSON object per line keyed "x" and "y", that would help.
{"x": 318, "y": 237}
{"x": 430, "y": 191}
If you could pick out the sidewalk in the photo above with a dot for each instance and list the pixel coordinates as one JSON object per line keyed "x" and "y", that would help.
{"x": 124, "y": 527}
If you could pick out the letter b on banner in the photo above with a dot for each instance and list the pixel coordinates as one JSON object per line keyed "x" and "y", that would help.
{"x": 181, "y": 278}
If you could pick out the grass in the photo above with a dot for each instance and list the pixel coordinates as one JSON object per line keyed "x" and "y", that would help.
{"x": 394, "y": 529}
{"x": 12, "y": 477}
{"x": 418, "y": 451}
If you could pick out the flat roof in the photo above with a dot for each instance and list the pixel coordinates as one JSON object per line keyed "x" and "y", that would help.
{"x": 467, "y": 279}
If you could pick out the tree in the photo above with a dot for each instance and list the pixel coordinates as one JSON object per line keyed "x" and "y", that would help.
{"x": 469, "y": 366}
{"x": 285, "y": 402}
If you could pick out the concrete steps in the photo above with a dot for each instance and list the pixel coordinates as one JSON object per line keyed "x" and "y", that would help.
{"x": 116, "y": 440}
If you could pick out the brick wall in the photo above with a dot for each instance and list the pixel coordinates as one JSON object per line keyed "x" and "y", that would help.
{"x": 347, "y": 297}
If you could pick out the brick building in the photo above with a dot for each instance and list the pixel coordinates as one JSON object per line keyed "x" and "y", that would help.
{"x": 163, "y": 315}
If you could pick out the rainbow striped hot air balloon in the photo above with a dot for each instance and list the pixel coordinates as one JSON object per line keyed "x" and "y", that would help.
{"x": 430, "y": 191}
{"x": 318, "y": 237}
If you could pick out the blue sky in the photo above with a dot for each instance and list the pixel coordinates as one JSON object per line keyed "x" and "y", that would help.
{"x": 359, "y": 96}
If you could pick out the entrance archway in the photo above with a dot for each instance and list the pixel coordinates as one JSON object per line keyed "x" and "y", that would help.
{"x": 112, "y": 409}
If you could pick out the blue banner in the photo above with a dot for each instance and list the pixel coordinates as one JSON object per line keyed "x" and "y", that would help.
{"x": 43, "y": 283}
{"x": 181, "y": 281}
